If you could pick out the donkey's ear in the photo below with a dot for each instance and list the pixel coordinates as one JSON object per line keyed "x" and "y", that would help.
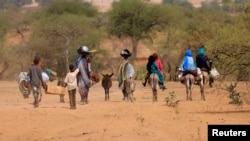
{"x": 111, "y": 74}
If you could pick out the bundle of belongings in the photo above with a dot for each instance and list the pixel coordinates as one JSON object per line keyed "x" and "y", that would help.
{"x": 24, "y": 81}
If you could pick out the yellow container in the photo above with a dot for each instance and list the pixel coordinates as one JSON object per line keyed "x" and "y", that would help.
{"x": 55, "y": 90}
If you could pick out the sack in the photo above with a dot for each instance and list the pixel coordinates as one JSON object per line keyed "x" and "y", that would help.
{"x": 214, "y": 73}
{"x": 94, "y": 77}
{"x": 45, "y": 77}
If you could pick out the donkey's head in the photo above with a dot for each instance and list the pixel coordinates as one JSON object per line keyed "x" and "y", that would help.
{"x": 106, "y": 80}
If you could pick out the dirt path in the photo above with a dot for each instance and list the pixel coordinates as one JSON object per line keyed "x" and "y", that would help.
{"x": 116, "y": 120}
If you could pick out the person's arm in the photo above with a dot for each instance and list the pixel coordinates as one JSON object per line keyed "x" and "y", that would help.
{"x": 76, "y": 71}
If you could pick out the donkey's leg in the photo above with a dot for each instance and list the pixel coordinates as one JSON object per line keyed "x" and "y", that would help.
{"x": 191, "y": 81}
{"x": 105, "y": 94}
{"x": 202, "y": 87}
{"x": 211, "y": 81}
{"x": 187, "y": 89}
{"x": 190, "y": 91}
{"x": 62, "y": 98}
{"x": 154, "y": 94}
{"x": 130, "y": 94}
{"x": 202, "y": 93}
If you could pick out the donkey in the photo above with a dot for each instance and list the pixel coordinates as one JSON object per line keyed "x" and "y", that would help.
{"x": 189, "y": 81}
{"x": 129, "y": 88}
{"x": 107, "y": 84}
{"x": 153, "y": 81}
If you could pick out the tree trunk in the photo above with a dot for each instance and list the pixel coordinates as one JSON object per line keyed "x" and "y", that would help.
{"x": 135, "y": 43}
{"x": 67, "y": 54}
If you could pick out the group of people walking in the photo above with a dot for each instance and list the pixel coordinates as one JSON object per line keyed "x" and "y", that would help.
{"x": 79, "y": 75}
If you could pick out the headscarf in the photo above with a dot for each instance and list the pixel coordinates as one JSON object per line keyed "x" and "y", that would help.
{"x": 201, "y": 51}
{"x": 188, "y": 62}
{"x": 188, "y": 53}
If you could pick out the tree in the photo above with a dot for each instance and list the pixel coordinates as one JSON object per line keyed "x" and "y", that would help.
{"x": 60, "y": 30}
{"x": 181, "y": 3}
{"x": 136, "y": 20}
{"x": 231, "y": 47}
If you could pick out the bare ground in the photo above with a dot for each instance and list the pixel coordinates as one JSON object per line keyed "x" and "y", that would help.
{"x": 117, "y": 120}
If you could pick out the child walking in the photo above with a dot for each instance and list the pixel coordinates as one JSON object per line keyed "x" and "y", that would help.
{"x": 35, "y": 74}
{"x": 71, "y": 82}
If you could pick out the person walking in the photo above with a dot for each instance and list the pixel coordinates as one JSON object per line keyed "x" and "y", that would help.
{"x": 126, "y": 72}
{"x": 71, "y": 83}
{"x": 36, "y": 80}
{"x": 83, "y": 79}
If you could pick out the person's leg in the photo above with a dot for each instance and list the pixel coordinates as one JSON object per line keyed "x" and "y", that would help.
{"x": 70, "y": 98}
{"x": 35, "y": 94}
{"x": 81, "y": 92}
{"x": 145, "y": 79}
{"x": 86, "y": 96}
{"x": 161, "y": 80}
{"x": 74, "y": 98}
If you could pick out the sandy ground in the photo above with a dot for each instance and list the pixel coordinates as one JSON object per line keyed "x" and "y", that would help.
{"x": 117, "y": 120}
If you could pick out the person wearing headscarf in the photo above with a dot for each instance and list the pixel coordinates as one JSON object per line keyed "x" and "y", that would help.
{"x": 204, "y": 63}
{"x": 151, "y": 60}
{"x": 159, "y": 66}
{"x": 188, "y": 63}
{"x": 158, "y": 62}
{"x": 202, "y": 60}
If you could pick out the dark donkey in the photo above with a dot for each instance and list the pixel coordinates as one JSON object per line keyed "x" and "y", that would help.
{"x": 107, "y": 84}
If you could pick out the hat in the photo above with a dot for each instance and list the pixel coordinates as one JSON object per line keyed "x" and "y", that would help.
{"x": 84, "y": 49}
{"x": 125, "y": 53}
